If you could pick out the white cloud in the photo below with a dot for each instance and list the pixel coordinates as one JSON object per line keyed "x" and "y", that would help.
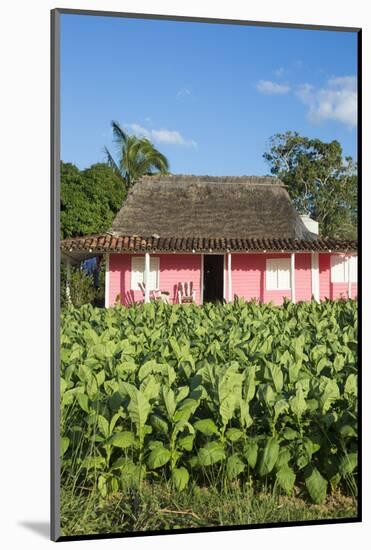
{"x": 162, "y": 135}
{"x": 139, "y": 130}
{"x": 268, "y": 87}
{"x": 336, "y": 101}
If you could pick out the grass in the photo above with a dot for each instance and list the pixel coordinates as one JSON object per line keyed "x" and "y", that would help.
{"x": 156, "y": 507}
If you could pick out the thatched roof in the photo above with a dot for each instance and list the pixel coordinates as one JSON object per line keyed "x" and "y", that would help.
{"x": 245, "y": 207}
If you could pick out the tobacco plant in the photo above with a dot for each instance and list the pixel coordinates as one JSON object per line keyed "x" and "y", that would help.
{"x": 210, "y": 394}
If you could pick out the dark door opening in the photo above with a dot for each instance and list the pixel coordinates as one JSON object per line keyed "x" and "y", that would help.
{"x": 213, "y": 278}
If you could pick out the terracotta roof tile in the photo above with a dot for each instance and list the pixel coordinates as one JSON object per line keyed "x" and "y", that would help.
{"x": 127, "y": 243}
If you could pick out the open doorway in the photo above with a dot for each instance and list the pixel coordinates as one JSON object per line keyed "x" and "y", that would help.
{"x": 213, "y": 278}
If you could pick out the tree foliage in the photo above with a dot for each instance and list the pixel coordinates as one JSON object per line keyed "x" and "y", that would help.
{"x": 137, "y": 157}
{"x": 89, "y": 199}
{"x": 320, "y": 181}
{"x": 80, "y": 288}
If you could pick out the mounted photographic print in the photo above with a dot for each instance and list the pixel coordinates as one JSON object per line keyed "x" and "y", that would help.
{"x": 205, "y": 181}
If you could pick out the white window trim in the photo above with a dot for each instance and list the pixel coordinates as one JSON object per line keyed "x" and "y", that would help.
{"x": 272, "y": 264}
{"x": 154, "y": 266}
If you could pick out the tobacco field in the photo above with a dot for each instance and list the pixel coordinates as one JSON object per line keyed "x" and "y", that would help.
{"x": 210, "y": 396}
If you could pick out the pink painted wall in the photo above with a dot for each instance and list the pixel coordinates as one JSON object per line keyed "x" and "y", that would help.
{"x": 248, "y": 277}
{"x": 174, "y": 268}
{"x": 330, "y": 290}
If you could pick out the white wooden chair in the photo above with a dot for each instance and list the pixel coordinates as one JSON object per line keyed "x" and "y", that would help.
{"x": 186, "y": 293}
{"x": 153, "y": 294}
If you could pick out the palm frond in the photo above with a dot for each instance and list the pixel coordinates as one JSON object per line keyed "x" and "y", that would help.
{"x": 120, "y": 136}
{"x": 112, "y": 163}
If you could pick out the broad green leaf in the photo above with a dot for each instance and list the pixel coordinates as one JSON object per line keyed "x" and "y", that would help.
{"x": 180, "y": 477}
{"x": 316, "y": 484}
{"x": 139, "y": 407}
{"x": 159, "y": 424}
{"x": 290, "y": 434}
{"x": 100, "y": 377}
{"x": 348, "y": 431}
{"x": 330, "y": 394}
{"x": 294, "y": 369}
{"x": 283, "y": 459}
{"x": 351, "y": 387}
{"x": 226, "y": 408}
{"x": 206, "y": 426}
{"x": 268, "y": 456}
{"x": 186, "y": 409}
{"x": 123, "y": 439}
{"x": 186, "y": 442}
{"x": 93, "y": 462}
{"x": 286, "y": 478}
{"x": 235, "y": 466}
{"x": 280, "y": 407}
{"x": 169, "y": 399}
{"x": 251, "y": 452}
{"x": 103, "y": 425}
{"x": 233, "y": 434}
{"x": 150, "y": 388}
{"x": 83, "y": 401}
{"x": 211, "y": 454}
{"x": 297, "y": 403}
{"x": 276, "y": 375}
{"x": 339, "y": 362}
{"x": 158, "y": 457}
{"x": 65, "y": 442}
{"x": 182, "y": 394}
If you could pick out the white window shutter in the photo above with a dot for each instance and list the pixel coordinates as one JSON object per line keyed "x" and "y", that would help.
{"x": 353, "y": 269}
{"x": 137, "y": 272}
{"x": 271, "y": 275}
{"x": 339, "y": 269}
{"x": 278, "y": 274}
{"x": 284, "y": 280}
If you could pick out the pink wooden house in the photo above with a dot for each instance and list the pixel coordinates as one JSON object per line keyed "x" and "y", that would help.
{"x": 224, "y": 237}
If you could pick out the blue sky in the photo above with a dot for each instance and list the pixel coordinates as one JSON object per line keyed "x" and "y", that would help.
{"x": 209, "y": 96}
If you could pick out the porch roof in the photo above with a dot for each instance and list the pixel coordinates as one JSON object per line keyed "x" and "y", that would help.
{"x": 83, "y": 247}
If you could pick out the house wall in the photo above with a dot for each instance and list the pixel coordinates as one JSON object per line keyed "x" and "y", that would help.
{"x": 330, "y": 290}
{"x": 174, "y": 268}
{"x": 248, "y": 277}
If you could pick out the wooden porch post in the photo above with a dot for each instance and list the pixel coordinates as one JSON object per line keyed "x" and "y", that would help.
{"x": 146, "y": 277}
{"x": 292, "y": 276}
{"x": 315, "y": 276}
{"x": 229, "y": 260}
{"x": 106, "y": 283}
{"x": 349, "y": 279}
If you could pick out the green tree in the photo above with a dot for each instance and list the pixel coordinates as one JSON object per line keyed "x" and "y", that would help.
{"x": 81, "y": 287}
{"x": 137, "y": 157}
{"x": 89, "y": 199}
{"x": 320, "y": 181}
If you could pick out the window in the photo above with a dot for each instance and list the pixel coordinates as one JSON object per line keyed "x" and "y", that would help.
{"x": 137, "y": 272}
{"x": 339, "y": 269}
{"x": 278, "y": 274}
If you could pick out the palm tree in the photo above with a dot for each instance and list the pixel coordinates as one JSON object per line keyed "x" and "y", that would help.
{"x": 137, "y": 157}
